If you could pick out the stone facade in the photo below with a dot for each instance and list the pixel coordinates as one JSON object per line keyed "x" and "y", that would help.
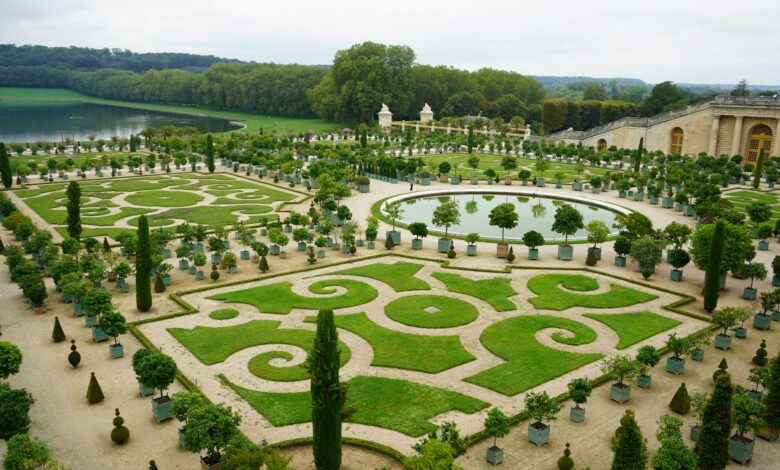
{"x": 724, "y": 125}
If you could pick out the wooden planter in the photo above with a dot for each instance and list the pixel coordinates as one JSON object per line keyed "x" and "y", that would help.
{"x": 162, "y": 408}
{"x": 565, "y": 252}
{"x": 741, "y": 448}
{"x": 762, "y": 322}
{"x": 577, "y": 414}
{"x": 538, "y": 433}
{"x": 495, "y": 455}
{"x": 502, "y": 249}
{"x": 444, "y": 245}
{"x": 533, "y": 253}
{"x": 675, "y": 366}
{"x": 722, "y": 341}
{"x": 620, "y": 392}
{"x": 644, "y": 381}
{"x": 620, "y": 261}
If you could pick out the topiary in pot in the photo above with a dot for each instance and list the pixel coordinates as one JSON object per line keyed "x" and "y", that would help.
{"x": 681, "y": 403}
{"x": 120, "y": 434}
{"x": 760, "y": 359}
{"x": 57, "y": 335}
{"x": 74, "y": 358}
{"x": 94, "y": 392}
{"x": 566, "y": 462}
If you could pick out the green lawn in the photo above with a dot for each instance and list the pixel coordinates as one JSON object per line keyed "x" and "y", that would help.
{"x": 224, "y": 314}
{"x": 215, "y": 344}
{"x": 279, "y": 298}
{"x": 17, "y": 97}
{"x": 743, "y": 198}
{"x": 634, "y": 327}
{"x": 399, "y": 276}
{"x": 528, "y": 363}
{"x": 411, "y": 311}
{"x": 551, "y": 297}
{"x": 494, "y": 291}
{"x": 399, "y": 405}
{"x": 164, "y": 198}
{"x": 431, "y": 354}
{"x": 260, "y": 366}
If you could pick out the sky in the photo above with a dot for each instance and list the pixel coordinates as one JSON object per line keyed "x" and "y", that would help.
{"x": 691, "y": 41}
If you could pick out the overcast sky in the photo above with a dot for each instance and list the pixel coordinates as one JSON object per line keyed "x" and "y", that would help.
{"x": 712, "y": 41}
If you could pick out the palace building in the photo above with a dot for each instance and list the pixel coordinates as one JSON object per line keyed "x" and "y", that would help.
{"x": 723, "y": 125}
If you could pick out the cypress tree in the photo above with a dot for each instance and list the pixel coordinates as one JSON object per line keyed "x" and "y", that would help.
{"x": 159, "y": 285}
{"x": 74, "y": 210}
{"x": 681, "y": 403}
{"x": 772, "y": 396}
{"x": 74, "y": 358}
{"x": 264, "y": 264}
{"x": 210, "y": 153}
{"x": 5, "y": 167}
{"x": 712, "y": 447}
{"x": 364, "y": 139}
{"x": 712, "y": 274}
{"x": 639, "y": 152}
{"x": 94, "y": 392}
{"x": 630, "y": 448}
{"x": 759, "y": 169}
{"x": 132, "y": 143}
{"x": 143, "y": 267}
{"x": 57, "y": 335}
{"x": 470, "y": 140}
{"x": 327, "y": 396}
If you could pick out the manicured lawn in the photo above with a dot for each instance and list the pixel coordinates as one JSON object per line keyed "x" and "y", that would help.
{"x": 224, "y": 314}
{"x": 744, "y": 198}
{"x": 213, "y": 345}
{"x": 254, "y": 122}
{"x": 261, "y": 367}
{"x": 494, "y": 291}
{"x": 163, "y": 198}
{"x": 445, "y": 312}
{"x": 399, "y": 350}
{"x": 399, "y": 276}
{"x": 279, "y": 298}
{"x": 550, "y": 296}
{"x": 399, "y": 405}
{"x": 634, "y": 327}
{"x": 529, "y": 363}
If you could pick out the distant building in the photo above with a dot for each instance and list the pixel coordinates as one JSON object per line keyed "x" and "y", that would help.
{"x": 723, "y": 125}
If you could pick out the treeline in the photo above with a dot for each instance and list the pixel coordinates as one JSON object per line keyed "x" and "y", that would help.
{"x": 84, "y": 58}
{"x": 559, "y": 114}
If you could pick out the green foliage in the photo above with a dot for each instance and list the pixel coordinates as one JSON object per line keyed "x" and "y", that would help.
{"x": 113, "y": 324}
{"x": 760, "y": 359}
{"x": 747, "y": 413}
{"x": 433, "y": 455}
{"x": 620, "y": 368}
{"x": 14, "y": 408}
{"x": 579, "y": 390}
{"x": 10, "y": 359}
{"x": 647, "y": 357}
{"x": 635, "y": 326}
{"x": 74, "y": 210}
{"x": 143, "y": 266}
{"x": 681, "y": 403}
{"x": 57, "y": 334}
{"x": 5, "y": 167}
{"x": 74, "y": 357}
{"x": 567, "y": 221}
{"x": 157, "y": 370}
{"x": 448, "y": 432}
{"x": 504, "y": 217}
{"x": 772, "y": 396}
{"x": 210, "y": 428}
{"x": 712, "y": 447}
{"x": 646, "y": 251}
{"x": 94, "y": 392}
{"x": 551, "y": 296}
{"x": 120, "y": 434}
{"x": 496, "y": 291}
{"x": 673, "y": 454}
{"x": 400, "y": 275}
{"x": 541, "y": 406}
{"x": 184, "y": 402}
{"x": 25, "y": 453}
{"x": 713, "y": 254}
{"x": 630, "y": 448}
{"x": 446, "y": 215}
{"x": 327, "y": 395}
{"x": 533, "y": 239}
{"x": 410, "y": 310}
{"x": 622, "y": 245}
{"x": 496, "y": 424}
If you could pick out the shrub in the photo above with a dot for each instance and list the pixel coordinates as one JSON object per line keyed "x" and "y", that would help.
{"x": 25, "y": 453}
{"x": 496, "y": 424}
{"x": 15, "y": 406}
{"x": 120, "y": 434}
{"x": 579, "y": 390}
{"x": 510, "y": 257}
{"x": 183, "y": 402}
{"x": 210, "y": 428}
{"x": 629, "y": 445}
{"x": 681, "y": 403}
{"x": 533, "y": 239}
{"x": 57, "y": 335}
{"x": 712, "y": 446}
{"x": 113, "y": 324}
{"x": 760, "y": 359}
{"x": 74, "y": 357}
{"x": 10, "y": 359}
{"x": 565, "y": 462}
{"x": 622, "y": 245}
{"x": 94, "y": 392}
{"x": 263, "y": 264}
{"x": 157, "y": 370}
{"x": 721, "y": 370}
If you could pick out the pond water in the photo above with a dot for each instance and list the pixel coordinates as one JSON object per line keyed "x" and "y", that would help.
{"x": 56, "y": 122}
{"x": 535, "y": 213}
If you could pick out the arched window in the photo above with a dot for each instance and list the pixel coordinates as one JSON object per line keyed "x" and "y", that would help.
{"x": 677, "y": 140}
{"x": 760, "y": 138}
{"x": 602, "y": 144}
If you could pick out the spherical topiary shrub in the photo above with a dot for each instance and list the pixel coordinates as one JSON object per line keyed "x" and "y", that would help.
{"x": 74, "y": 358}
{"x": 566, "y": 462}
{"x": 760, "y": 358}
{"x": 120, "y": 434}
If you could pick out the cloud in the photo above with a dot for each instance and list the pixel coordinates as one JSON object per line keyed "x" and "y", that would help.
{"x": 681, "y": 40}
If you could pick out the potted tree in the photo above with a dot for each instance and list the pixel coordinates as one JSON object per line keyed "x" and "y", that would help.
{"x": 210, "y": 428}
{"x": 748, "y": 415}
{"x": 741, "y": 316}
{"x": 114, "y": 324}
{"x": 764, "y": 232}
{"x": 303, "y": 237}
{"x": 646, "y": 251}
{"x": 758, "y": 377}
{"x": 122, "y": 270}
{"x": 371, "y": 233}
{"x": 533, "y": 239}
{"x": 697, "y": 342}
{"x": 541, "y": 407}
{"x": 598, "y": 232}
{"x": 504, "y": 217}
{"x": 753, "y": 271}
{"x": 395, "y": 211}
{"x": 678, "y": 258}
{"x": 698, "y": 402}
{"x": 725, "y": 318}
{"x": 181, "y": 405}
{"x": 541, "y": 166}
{"x": 138, "y": 356}
{"x": 420, "y": 231}
{"x": 472, "y": 239}
{"x": 776, "y": 270}
{"x": 230, "y": 262}
{"x": 446, "y": 215}
{"x": 579, "y": 391}
{"x": 199, "y": 260}
{"x": 762, "y": 320}
{"x": 622, "y": 248}
{"x": 647, "y": 357}
{"x": 679, "y": 347}
{"x": 183, "y": 253}
{"x": 496, "y": 426}
{"x": 620, "y": 368}
{"x": 158, "y": 371}
{"x": 567, "y": 221}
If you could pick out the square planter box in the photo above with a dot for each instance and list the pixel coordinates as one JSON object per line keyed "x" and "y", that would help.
{"x": 215, "y": 259}
{"x": 495, "y": 455}
{"x": 644, "y": 381}
{"x": 675, "y": 366}
{"x": 275, "y": 249}
{"x": 775, "y": 281}
{"x": 768, "y": 434}
{"x": 667, "y": 203}
{"x": 776, "y": 315}
{"x": 697, "y": 354}
{"x": 167, "y": 280}
{"x": 533, "y": 253}
{"x": 98, "y": 335}
{"x": 502, "y": 249}
{"x": 577, "y": 414}
{"x": 67, "y": 297}
{"x": 396, "y": 236}
{"x": 620, "y": 393}
{"x": 471, "y": 250}
{"x": 199, "y": 275}
{"x": 90, "y": 320}
{"x": 444, "y": 245}
{"x": 620, "y": 261}
{"x": 762, "y": 322}
{"x": 184, "y": 264}
{"x": 565, "y": 252}
{"x": 755, "y": 395}
{"x": 722, "y": 341}
{"x": 417, "y": 244}
{"x": 695, "y": 432}
{"x": 576, "y": 185}
{"x": 244, "y": 255}
{"x": 162, "y": 408}
{"x": 540, "y": 182}
{"x": 749, "y": 293}
{"x": 763, "y": 245}
{"x": 116, "y": 350}
{"x": 192, "y": 269}
{"x": 676, "y": 275}
{"x": 144, "y": 391}
{"x": 741, "y": 449}
{"x": 538, "y": 433}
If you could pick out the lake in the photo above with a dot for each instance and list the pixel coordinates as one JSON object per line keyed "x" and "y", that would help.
{"x": 56, "y": 122}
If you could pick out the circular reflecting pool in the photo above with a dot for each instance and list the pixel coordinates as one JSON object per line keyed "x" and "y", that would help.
{"x": 536, "y": 211}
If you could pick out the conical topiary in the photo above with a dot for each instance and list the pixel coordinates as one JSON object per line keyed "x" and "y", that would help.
{"x": 2, "y": 247}
{"x": 263, "y": 264}
{"x": 74, "y": 357}
{"x": 681, "y": 402}
{"x": 591, "y": 259}
{"x": 760, "y": 359}
{"x": 106, "y": 246}
{"x": 57, "y": 335}
{"x": 389, "y": 243}
{"x": 566, "y": 462}
{"x": 94, "y": 392}
{"x": 120, "y": 434}
{"x": 510, "y": 257}
{"x": 152, "y": 465}
{"x": 722, "y": 367}
{"x": 159, "y": 285}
